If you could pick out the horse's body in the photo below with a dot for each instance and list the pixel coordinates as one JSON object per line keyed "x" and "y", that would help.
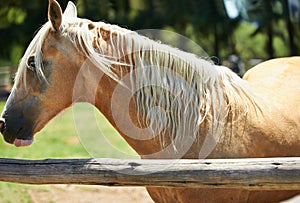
{"x": 273, "y": 132}
{"x": 204, "y": 111}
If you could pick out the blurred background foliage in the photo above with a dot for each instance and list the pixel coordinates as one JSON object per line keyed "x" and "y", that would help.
{"x": 246, "y": 28}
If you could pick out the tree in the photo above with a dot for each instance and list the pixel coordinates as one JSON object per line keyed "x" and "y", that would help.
{"x": 20, "y": 20}
{"x": 267, "y": 14}
{"x": 205, "y": 22}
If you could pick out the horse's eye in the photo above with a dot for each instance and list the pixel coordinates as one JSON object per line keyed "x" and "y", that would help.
{"x": 31, "y": 63}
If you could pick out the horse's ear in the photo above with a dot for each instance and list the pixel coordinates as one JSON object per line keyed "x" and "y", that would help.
{"x": 71, "y": 10}
{"x": 55, "y": 14}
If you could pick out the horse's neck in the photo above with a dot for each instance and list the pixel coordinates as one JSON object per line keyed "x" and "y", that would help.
{"x": 114, "y": 101}
{"x": 217, "y": 106}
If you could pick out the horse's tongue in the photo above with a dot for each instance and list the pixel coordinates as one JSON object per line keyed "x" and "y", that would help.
{"x": 22, "y": 143}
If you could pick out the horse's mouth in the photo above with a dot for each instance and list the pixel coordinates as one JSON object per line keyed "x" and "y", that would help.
{"x": 18, "y": 142}
{"x": 23, "y": 143}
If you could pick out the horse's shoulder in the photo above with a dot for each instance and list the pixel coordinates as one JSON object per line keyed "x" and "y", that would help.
{"x": 276, "y": 83}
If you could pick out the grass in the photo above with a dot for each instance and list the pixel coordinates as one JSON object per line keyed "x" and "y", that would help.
{"x": 70, "y": 135}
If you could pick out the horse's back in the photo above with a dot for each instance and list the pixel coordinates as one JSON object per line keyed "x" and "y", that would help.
{"x": 276, "y": 73}
{"x": 277, "y": 81}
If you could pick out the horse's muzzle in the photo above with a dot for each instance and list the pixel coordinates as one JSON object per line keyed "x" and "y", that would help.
{"x": 14, "y": 134}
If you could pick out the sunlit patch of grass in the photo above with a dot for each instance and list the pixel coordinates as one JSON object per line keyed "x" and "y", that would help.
{"x": 59, "y": 139}
{"x": 11, "y": 193}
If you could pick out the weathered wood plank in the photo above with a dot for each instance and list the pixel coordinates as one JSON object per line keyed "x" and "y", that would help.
{"x": 267, "y": 173}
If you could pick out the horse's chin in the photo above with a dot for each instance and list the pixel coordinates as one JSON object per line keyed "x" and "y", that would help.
{"x": 23, "y": 143}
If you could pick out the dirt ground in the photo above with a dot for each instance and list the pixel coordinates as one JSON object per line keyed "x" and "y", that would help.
{"x": 89, "y": 194}
{"x": 99, "y": 194}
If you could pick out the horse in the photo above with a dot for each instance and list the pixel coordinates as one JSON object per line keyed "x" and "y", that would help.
{"x": 166, "y": 103}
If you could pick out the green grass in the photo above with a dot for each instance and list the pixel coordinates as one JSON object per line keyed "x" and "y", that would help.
{"x": 69, "y": 135}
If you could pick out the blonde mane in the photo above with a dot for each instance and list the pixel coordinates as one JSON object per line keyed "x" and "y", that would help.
{"x": 175, "y": 91}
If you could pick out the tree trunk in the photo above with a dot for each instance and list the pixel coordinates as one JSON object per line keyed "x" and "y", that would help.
{"x": 270, "y": 48}
{"x": 216, "y": 43}
{"x": 290, "y": 28}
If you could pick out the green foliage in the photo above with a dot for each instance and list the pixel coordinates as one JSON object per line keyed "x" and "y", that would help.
{"x": 205, "y": 22}
{"x": 12, "y": 15}
{"x": 249, "y": 47}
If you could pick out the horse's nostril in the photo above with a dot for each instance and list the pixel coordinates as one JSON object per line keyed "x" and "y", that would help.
{"x": 2, "y": 123}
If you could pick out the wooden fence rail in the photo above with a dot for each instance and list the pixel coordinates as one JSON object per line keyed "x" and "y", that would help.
{"x": 266, "y": 173}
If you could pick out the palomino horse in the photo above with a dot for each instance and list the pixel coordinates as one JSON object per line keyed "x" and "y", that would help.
{"x": 165, "y": 103}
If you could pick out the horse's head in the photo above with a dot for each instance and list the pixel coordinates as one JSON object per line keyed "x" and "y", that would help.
{"x": 44, "y": 81}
